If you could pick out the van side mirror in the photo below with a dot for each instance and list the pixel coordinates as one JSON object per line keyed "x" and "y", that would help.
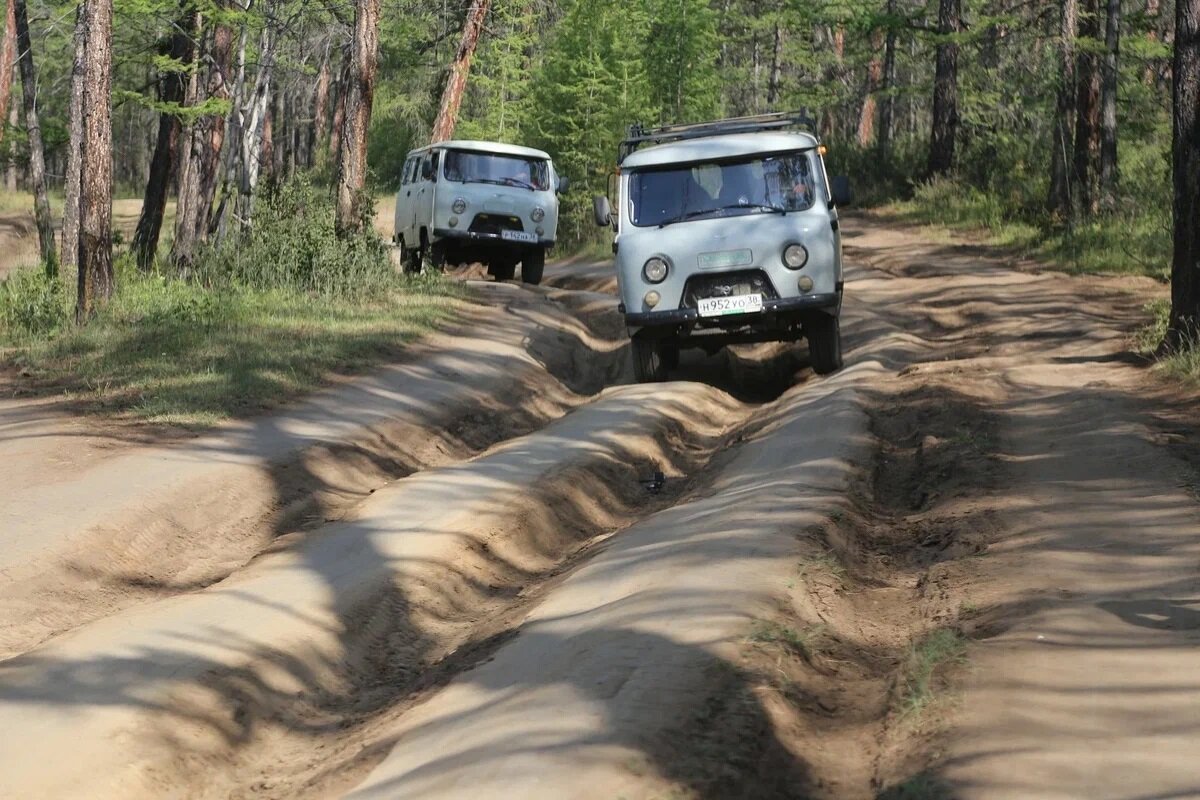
{"x": 839, "y": 188}
{"x": 564, "y": 183}
{"x": 602, "y": 211}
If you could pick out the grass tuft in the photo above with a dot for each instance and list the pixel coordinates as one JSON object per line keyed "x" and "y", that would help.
{"x": 1182, "y": 364}
{"x": 822, "y": 564}
{"x": 927, "y": 660}
{"x": 919, "y": 787}
{"x": 802, "y": 641}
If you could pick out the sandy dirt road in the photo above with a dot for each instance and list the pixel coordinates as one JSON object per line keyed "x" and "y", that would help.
{"x": 477, "y": 586}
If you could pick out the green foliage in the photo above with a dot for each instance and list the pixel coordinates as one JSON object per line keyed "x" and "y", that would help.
{"x": 681, "y": 59}
{"x": 592, "y": 85}
{"x": 176, "y": 351}
{"x": 923, "y": 786}
{"x": 292, "y": 245}
{"x": 32, "y": 304}
{"x": 1150, "y": 336}
{"x": 498, "y": 96}
{"x": 1181, "y": 363}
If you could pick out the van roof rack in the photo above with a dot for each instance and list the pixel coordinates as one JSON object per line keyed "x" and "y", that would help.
{"x": 783, "y": 120}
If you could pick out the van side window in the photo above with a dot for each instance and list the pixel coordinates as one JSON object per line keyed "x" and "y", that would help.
{"x": 433, "y": 173}
{"x": 406, "y": 176}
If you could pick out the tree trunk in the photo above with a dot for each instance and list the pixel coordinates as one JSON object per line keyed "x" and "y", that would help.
{"x": 776, "y": 56}
{"x": 1185, "y": 268}
{"x": 866, "y": 116}
{"x": 69, "y": 244}
{"x": 171, "y": 88}
{"x": 8, "y": 57}
{"x": 339, "y": 114}
{"x": 359, "y": 94}
{"x": 945, "y": 90}
{"x": 204, "y": 140}
{"x": 214, "y": 130}
{"x": 95, "y": 216}
{"x": 10, "y": 171}
{"x": 1153, "y": 12}
{"x": 456, "y": 83}
{"x": 320, "y": 126}
{"x": 1059, "y": 201}
{"x": 37, "y": 158}
{"x": 1085, "y": 171}
{"x": 255, "y": 132}
{"x": 1109, "y": 174}
{"x": 887, "y": 112}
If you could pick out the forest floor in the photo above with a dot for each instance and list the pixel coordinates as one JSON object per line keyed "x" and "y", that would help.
{"x": 968, "y": 565}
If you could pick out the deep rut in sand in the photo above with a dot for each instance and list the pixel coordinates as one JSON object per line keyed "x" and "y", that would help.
{"x": 158, "y": 522}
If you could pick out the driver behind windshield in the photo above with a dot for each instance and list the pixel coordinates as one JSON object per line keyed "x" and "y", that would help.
{"x": 764, "y": 185}
{"x": 464, "y": 167}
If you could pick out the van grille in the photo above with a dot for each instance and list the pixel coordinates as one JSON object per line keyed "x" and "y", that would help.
{"x": 728, "y": 284}
{"x": 494, "y": 223}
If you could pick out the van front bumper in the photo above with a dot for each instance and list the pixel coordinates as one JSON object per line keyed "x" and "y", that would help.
{"x": 771, "y": 308}
{"x": 488, "y": 238}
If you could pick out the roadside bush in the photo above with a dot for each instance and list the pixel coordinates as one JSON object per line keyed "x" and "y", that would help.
{"x": 32, "y": 304}
{"x": 877, "y": 178}
{"x": 292, "y": 245}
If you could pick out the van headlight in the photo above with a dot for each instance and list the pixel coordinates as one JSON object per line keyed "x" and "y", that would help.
{"x": 795, "y": 256}
{"x": 655, "y": 270}
{"x": 459, "y": 205}
{"x": 538, "y": 214}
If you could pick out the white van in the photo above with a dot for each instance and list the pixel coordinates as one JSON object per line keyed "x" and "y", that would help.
{"x": 727, "y": 232}
{"x": 466, "y": 201}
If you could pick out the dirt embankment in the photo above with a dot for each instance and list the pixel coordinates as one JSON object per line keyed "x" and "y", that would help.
{"x": 898, "y": 581}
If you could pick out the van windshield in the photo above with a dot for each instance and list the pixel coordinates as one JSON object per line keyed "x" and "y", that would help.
{"x": 465, "y": 166}
{"x": 755, "y": 185}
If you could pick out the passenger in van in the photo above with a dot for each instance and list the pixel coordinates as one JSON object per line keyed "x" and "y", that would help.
{"x": 735, "y": 186}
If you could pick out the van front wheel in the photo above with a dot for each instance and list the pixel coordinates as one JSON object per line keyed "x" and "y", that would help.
{"x": 533, "y": 264}
{"x": 650, "y": 358}
{"x": 437, "y": 256}
{"x": 824, "y": 335}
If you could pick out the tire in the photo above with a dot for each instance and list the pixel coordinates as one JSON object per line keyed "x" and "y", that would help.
{"x": 502, "y": 270}
{"x": 410, "y": 259}
{"x": 533, "y": 264}
{"x": 649, "y": 362}
{"x": 437, "y": 256}
{"x": 824, "y": 334}
{"x": 670, "y": 356}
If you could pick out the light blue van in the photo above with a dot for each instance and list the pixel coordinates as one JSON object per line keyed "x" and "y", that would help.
{"x": 468, "y": 201}
{"x": 727, "y": 232}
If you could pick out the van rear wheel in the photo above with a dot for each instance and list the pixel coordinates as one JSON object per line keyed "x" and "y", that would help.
{"x": 824, "y": 334}
{"x": 650, "y": 358}
{"x": 533, "y": 264}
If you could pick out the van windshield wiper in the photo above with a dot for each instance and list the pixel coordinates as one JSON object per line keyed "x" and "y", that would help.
{"x": 501, "y": 182}
{"x": 701, "y": 212}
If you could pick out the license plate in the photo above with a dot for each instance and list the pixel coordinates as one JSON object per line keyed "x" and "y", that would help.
{"x": 737, "y": 304}
{"x": 519, "y": 236}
